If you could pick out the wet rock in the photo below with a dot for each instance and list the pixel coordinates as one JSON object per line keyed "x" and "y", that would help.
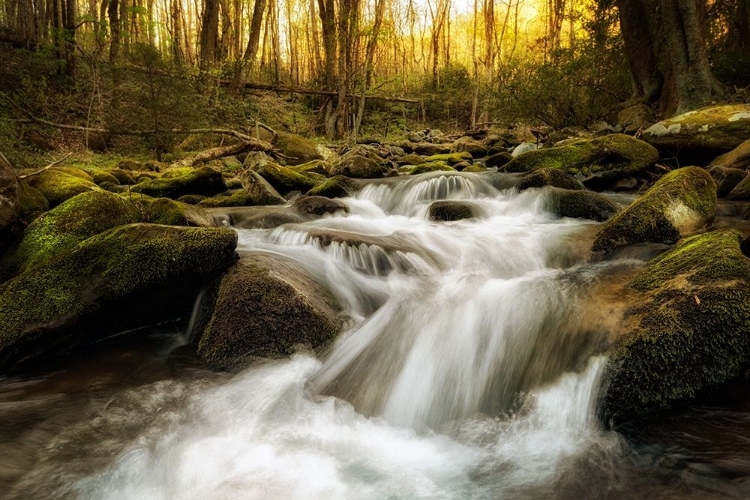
{"x": 542, "y": 177}
{"x": 524, "y": 147}
{"x": 610, "y": 158}
{"x": 358, "y": 167}
{"x": 57, "y": 186}
{"x": 319, "y": 205}
{"x": 448, "y": 210}
{"x": 739, "y": 157}
{"x": 579, "y": 204}
{"x": 284, "y": 179}
{"x": 715, "y": 128}
{"x": 266, "y": 307}
{"x": 173, "y": 213}
{"x": 681, "y": 202}
{"x": 687, "y": 331}
{"x": 435, "y": 166}
{"x": 123, "y": 278}
{"x": 259, "y": 190}
{"x": 411, "y": 159}
{"x": 626, "y": 184}
{"x": 499, "y": 159}
{"x": 338, "y": 186}
{"x": 475, "y": 167}
{"x": 461, "y": 166}
{"x": 297, "y": 149}
{"x": 469, "y": 145}
{"x": 726, "y": 179}
{"x": 204, "y": 181}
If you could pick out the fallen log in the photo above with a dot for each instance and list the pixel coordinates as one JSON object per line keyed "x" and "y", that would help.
{"x": 251, "y": 144}
{"x": 303, "y": 90}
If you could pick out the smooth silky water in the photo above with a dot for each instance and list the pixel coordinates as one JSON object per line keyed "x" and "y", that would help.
{"x": 469, "y": 366}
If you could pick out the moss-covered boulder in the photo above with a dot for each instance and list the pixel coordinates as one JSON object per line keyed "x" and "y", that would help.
{"x": 122, "y": 176}
{"x": 285, "y": 180}
{"x": 608, "y": 158}
{"x": 470, "y": 145}
{"x": 297, "y": 149}
{"x": 319, "y": 167}
{"x": 204, "y": 181}
{"x": 364, "y": 150}
{"x": 411, "y": 159}
{"x": 726, "y": 179}
{"x": 358, "y": 167}
{"x": 131, "y": 165}
{"x": 498, "y": 159}
{"x": 319, "y": 205}
{"x": 31, "y": 203}
{"x": 126, "y": 277}
{"x": 689, "y": 330}
{"x": 717, "y": 128}
{"x": 449, "y": 210}
{"x": 429, "y": 148}
{"x": 260, "y": 191}
{"x": 449, "y": 158}
{"x": 191, "y": 199}
{"x": 579, "y": 204}
{"x": 101, "y": 176}
{"x": 176, "y": 213}
{"x": 57, "y": 186}
{"x": 265, "y": 307}
{"x": 65, "y": 226}
{"x": 681, "y": 202}
{"x": 338, "y": 186}
{"x": 474, "y": 168}
{"x": 542, "y": 177}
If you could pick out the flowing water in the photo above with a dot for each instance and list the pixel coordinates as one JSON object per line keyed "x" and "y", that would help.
{"x": 469, "y": 366}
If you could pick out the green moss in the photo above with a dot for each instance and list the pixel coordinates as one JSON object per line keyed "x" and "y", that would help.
{"x": 411, "y": 160}
{"x": 548, "y": 177}
{"x": 580, "y": 204}
{"x": 191, "y": 199}
{"x": 123, "y": 176}
{"x": 297, "y": 149}
{"x": 76, "y": 172}
{"x": 31, "y": 203}
{"x": 65, "y": 226}
{"x": 682, "y": 201}
{"x": 336, "y": 187}
{"x": 450, "y": 158}
{"x": 436, "y": 166}
{"x": 611, "y": 157}
{"x": 722, "y": 127}
{"x": 239, "y": 198}
{"x": 204, "y": 181}
{"x": 176, "y": 172}
{"x": 57, "y": 186}
{"x": 44, "y": 309}
{"x": 476, "y": 167}
{"x": 690, "y": 330}
{"x": 285, "y": 179}
{"x": 315, "y": 167}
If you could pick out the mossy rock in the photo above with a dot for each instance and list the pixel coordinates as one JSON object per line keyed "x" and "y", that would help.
{"x": 433, "y": 166}
{"x": 338, "y": 186}
{"x": 191, "y": 199}
{"x": 449, "y": 158}
{"x": 738, "y": 158}
{"x": 57, "y": 186}
{"x": 428, "y": 148}
{"x": 469, "y": 145}
{"x": 102, "y": 176}
{"x": 239, "y": 198}
{"x": 319, "y": 206}
{"x": 688, "y": 330}
{"x": 123, "y": 278}
{"x": 65, "y": 226}
{"x": 474, "y": 168}
{"x": 726, "y": 179}
{"x": 123, "y": 176}
{"x": 297, "y": 149}
{"x": 31, "y": 203}
{"x": 542, "y": 177}
{"x": 234, "y": 183}
{"x": 285, "y": 180}
{"x": 369, "y": 152}
{"x": 204, "y": 181}
{"x": 265, "y": 307}
{"x": 741, "y": 192}
{"x": 176, "y": 213}
{"x": 76, "y": 172}
{"x": 358, "y": 167}
{"x": 609, "y": 158}
{"x": 720, "y": 128}
{"x": 499, "y": 159}
{"x": 131, "y": 165}
{"x": 175, "y": 172}
{"x": 579, "y": 204}
{"x": 450, "y": 210}
{"x": 260, "y": 190}
{"x": 318, "y": 167}
{"x": 231, "y": 164}
{"x": 411, "y": 159}
{"x": 679, "y": 203}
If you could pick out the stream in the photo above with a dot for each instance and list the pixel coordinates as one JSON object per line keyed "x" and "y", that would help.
{"x": 469, "y": 366}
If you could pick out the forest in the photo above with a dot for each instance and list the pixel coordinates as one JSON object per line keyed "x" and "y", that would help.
{"x": 357, "y": 67}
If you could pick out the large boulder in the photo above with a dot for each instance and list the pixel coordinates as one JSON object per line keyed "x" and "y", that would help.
{"x": 579, "y": 204}
{"x": 319, "y": 206}
{"x": 679, "y": 203}
{"x": 126, "y": 277}
{"x": 65, "y": 226}
{"x": 284, "y": 179}
{"x": 174, "y": 213}
{"x": 450, "y": 210}
{"x": 296, "y": 149}
{"x": 358, "y": 167}
{"x": 606, "y": 158}
{"x": 470, "y": 145}
{"x": 265, "y": 307}
{"x": 739, "y": 157}
{"x": 57, "y": 186}
{"x": 688, "y": 330}
{"x": 338, "y": 186}
{"x": 548, "y": 177}
{"x": 204, "y": 181}
{"x": 259, "y": 189}
{"x": 714, "y": 128}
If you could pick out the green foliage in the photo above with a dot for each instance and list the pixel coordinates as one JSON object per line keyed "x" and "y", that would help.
{"x": 449, "y": 99}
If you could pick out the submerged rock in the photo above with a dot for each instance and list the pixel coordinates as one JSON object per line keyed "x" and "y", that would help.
{"x": 126, "y": 277}
{"x": 204, "y": 181}
{"x": 265, "y": 307}
{"x": 449, "y": 210}
{"x": 688, "y": 331}
{"x": 581, "y": 204}
{"x": 719, "y": 128}
{"x": 681, "y": 202}
{"x": 608, "y": 158}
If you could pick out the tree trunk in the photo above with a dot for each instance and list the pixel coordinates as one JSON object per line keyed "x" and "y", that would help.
{"x": 209, "y": 34}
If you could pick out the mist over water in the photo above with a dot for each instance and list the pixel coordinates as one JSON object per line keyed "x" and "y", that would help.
{"x": 469, "y": 366}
